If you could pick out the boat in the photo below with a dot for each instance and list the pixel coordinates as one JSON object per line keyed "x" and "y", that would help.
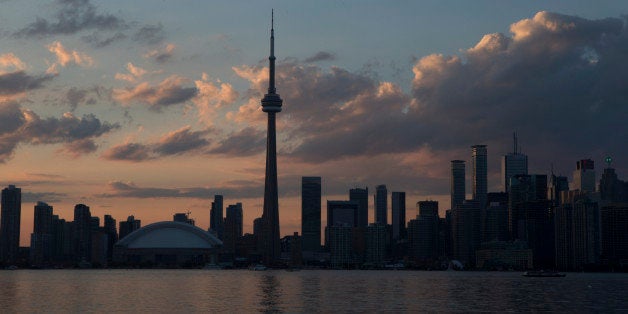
{"x": 543, "y": 273}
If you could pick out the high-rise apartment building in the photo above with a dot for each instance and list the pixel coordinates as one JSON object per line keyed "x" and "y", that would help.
{"x": 216, "y": 217}
{"x": 82, "y": 233}
{"x": 10, "y": 225}
{"x": 398, "y": 200}
{"x": 457, "y": 183}
{"x": 584, "y": 176}
{"x": 381, "y": 204}
{"x": 479, "y": 174}
{"x": 310, "y": 213}
{"x": 131, "y": 224}
{"x": 512, "y": 164}
{"x": 41, "y": 238}
{"x": 361, "y": 196}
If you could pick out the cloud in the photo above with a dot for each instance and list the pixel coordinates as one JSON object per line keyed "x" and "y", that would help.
{"x": 170, "y": 91}
{"x": 100, "y": 41}
{"x": 49, "y": 197}
{"x": 134, "y": 74}
{"x": 243, "y": 189}
{"x": 66, "y": 57}
{"x": 321, "y": 56}
{"x": 161, "y": 55}
{"x": 10, "y": 63}
{"x": 16, "y": 84}
{"x": 246, "y": 142}
{"x": 25, "y": 126}
{"x": 150, "y": 34}
{"x": 181, "y": 141}
{"x": 72, "y": 16}
{"x": 129, "y": 152}
{"x": 212, "y": 96}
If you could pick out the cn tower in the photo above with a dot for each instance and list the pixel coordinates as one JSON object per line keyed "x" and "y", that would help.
{"x": 271, "y": 103}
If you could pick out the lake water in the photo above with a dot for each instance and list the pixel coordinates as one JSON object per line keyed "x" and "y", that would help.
{"x": 324, "y": 291}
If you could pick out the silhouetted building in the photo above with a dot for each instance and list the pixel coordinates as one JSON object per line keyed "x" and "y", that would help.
{"x": 512, "y": 164}
{"x": 465, "y": 231}
{"x": 233, "y": 227}
{"x": 500, "y": 255}
{"x": 10, "y": 225}
{"x": 339, "y": 240}
{"x": 457, "y": 183}
{"x": 41, "y": 238}
{"x": 311, "y": 213}
{"x": 82, "y": 233}
{"x": 112, "y": 235}
{"x": 271, "y": 104}
{"x": 184, "y": 218}
{"x": 340, "y": 213}
{"x": 614, "y": 235}
{"x": 131, "y": 224}
{"x": 611, "y": 188}
{"x": 375, "y": 244}
{"x": 423, "y": 232}
{"x": 495, "y": 220}
{"x": 361, "y": 196}
{"x": 216, "y": 217}
{"x": 584, "y": 176}
{"x": 381, "y": 204}
{"x": 557, "y": 184}
{"x": 479, "y": 174}
{"x": 398, "y": 201}
{"x": 577, "y": 231}
{"x": 523, "y": 189}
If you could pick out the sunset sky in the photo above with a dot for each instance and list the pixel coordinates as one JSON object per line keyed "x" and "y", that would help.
{"x": 149, "y": 108}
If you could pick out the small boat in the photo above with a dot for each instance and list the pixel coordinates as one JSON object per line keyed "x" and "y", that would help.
{"x": 543, "y": 273}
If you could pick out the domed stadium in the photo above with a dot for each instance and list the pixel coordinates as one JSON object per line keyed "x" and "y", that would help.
{"x": 167, "y": 244}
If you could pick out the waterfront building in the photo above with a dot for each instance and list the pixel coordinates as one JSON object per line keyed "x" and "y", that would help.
{"x": 423, "y": 232}
{"x": 375, "y": 244}
{"x": 512, "y": 164}
{"x": 614, "y": 234}
{"x": 501, "y": 255}
{"x": 361, "y": 196}
{"x": 577, "y": 231}
{"x": 82, "y": 233}
{"x": 457, "y": 183}
{"x": 398, "y": 200}
{"x": 465, "y": 231}
{"x": 557, "y": 184}
{"x": 381, "y": 204}
{"x": 339, "y": 244}
{"x": 340, "y": 213}
{"x": 479, "y": 174}
{"x": 271, "y": 104}
{"x": 233, "y": 228}
{"x": 184, "y": 218}
{"x": 41, "y": 238}
{"x": 11, "y": 211}
{"x": 112, "y": 235}
{"x": 495, "y": 220}
{"x": 311, "y": 213}
{"x": 584, "y": 176}
{"x": 216, "y": 217}
{"x": 131, "y": 224}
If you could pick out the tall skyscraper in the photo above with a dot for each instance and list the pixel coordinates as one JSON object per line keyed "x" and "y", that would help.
{"x": 41, "y": 238}
{"x": 271, "y": 104}
{"x": 112, "y": 235}
{"x": 311, "y": 213}
{"x": 479, "y": 174}
{"x": 233, "y": 227}
{"x": 457, "y": 183}
{"x": 216, "y": 217}
{"x": 82, "y": 233}
{"x": 381, "y": 204}
{"x": 584, "y": 176}
{"x": 512, "y": 164}
{"x": 398, "y": 201}
{"x": 131, "y": 224}
{"x": 10, "y": 225}
{"x": 361, "y": 196}
{"x": 423, "y": 231}
{"x": 340, "y": 214}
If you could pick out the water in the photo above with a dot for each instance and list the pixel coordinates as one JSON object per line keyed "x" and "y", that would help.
{"x": 85, "y": 291}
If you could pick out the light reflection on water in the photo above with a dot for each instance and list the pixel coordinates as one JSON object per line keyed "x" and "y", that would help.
{"x": 29, "y": 291}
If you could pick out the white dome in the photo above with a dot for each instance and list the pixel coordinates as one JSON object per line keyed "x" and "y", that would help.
{"x": 170, "y": 234}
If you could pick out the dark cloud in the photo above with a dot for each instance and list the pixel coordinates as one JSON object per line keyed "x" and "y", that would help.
{"x": 181, "y": 141}
{"x": 19, "y": 82}
{"x": 100, "y": 41}
{"x": 558, "y": 80}
{"x": 247, "y": 189}
{"x": 246, "y": 142}
{"x": 128, "y": 152}
{"x": 27, "y": 127}
{"x": 171, "y": 91}
{"x": 150, "y": 34}
{"x": 321, "y": 56}
{"x": 174, "y": 143}
{"x": 82, "y": 96}
{"x": 72, "y": 16}
{"x": 48, "y": 197}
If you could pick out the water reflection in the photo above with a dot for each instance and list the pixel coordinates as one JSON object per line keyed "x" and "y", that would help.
{"x": 269, "y": 287}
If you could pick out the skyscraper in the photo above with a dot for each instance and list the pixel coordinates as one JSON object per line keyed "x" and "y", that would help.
{"x": 584, "y": 176}
{"x": 233, "y": 227}
{"x": 10, "y": 225}
{"x": 479, "y": 174}
{"x": 457, "y": 183}
{"x": 41, "y": 238}
{"x": 361, "y": 196}
{"x": 216, "y": 218}
{"x": 512, "y": 164}
{"x": 311, "y": 213}
{"x": 271, "y": 104}
{"x": 398, "y": 201}
{"x": 381, "y": 204}
{"x": 82, "y": 233}
{"x": 131, "y": 224}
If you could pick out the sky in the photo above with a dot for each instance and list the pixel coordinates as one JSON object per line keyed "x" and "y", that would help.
{"x": 149, "y": 108}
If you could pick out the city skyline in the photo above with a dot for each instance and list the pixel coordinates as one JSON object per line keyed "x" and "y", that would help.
{"x": 132, "y": 114}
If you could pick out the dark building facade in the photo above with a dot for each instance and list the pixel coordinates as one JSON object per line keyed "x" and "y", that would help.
{"x": 361, "y": 196}
{"x": 311, "y": 213}
{"x": 216, "y": 219}
{"x": 398, "y": 200}
{"x": 381, "y": 204}
{"x": 10, "y": 225}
